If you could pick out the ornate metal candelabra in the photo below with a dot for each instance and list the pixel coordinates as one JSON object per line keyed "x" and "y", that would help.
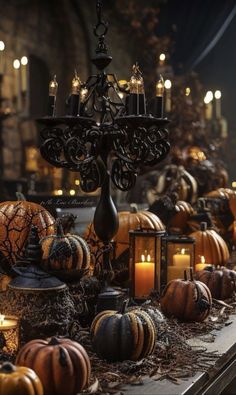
{"x": 108, "y": 139}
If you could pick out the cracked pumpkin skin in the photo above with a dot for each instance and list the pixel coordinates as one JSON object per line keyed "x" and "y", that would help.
{"x": 16, "y": 218}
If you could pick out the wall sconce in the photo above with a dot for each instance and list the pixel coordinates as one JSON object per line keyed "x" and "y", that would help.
{"x": 145, "y": 262}
{"x": 9, "y": 334}
{"x": 177, "y": 256}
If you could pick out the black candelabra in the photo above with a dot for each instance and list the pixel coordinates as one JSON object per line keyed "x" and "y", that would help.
{"x": 103, "y": 137}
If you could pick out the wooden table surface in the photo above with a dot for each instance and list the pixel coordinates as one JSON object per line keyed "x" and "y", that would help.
{"x": 212, "y": 382}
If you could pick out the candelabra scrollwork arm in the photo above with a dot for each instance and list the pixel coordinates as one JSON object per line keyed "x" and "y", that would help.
{"x": 52, "y": 147}
{"x": 123, "y": 175}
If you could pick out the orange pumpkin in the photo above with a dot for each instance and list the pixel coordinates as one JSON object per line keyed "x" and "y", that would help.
{"x": 221, "y": 192}
{"x": 221, "y": 282}
{"x": 62, "y": 365}
{"x": 128, "y": 220}
{"x": 186, "y": 300}
{"x": 66, "y": 256}
{"x": 180, "y": 219}
{"x": 16, "y": 219}
{"x": 17, "y": 380}
{"x": 209, "y": 243}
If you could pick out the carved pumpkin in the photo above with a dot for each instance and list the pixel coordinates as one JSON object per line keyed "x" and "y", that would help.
{"x": 209, "y": 243}
{"x": 186, "y": 300}
{"x": 118, "y": 336}
{"x": 180, "y": 219}
{"x": 221, "y": 282}
{"x": 16, "y": 380}
{"x": 62, "y": 365}
{"x": 127, "y": 221}
{"x": 66, "y": 256}
{"x": 16, "y": 219}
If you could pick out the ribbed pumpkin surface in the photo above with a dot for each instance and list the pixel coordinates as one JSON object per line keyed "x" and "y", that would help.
{"x": 68, "y": 253}
{"x": 119, "y": 337}
{"x": 221, "y": 192}
{"x": 180, "y": 219}
{"x": 210, "y": 245}
{"x": 222, "y": 283}
{"x": 185, "y": 300}
{"x": 20, "y": 381}
{"x": 16, "y": 219}
{"x": 63, "y": 365}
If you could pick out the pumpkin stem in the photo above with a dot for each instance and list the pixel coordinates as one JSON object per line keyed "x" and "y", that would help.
{"x": 185, "y": 275}
{"x": 203, "y": 226}
{"x": 191, "y": 273}
{"x": 7, "y": 367}
{"x": 59, "y": 229}
{"x": 20, "y": 196}
{"x": 133, "y": 208}
{"x": 54, "y": 342}
{"x": 124, "y": 306}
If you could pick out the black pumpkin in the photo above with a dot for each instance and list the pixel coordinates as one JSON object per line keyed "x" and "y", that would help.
{"x": 118, "y": 336}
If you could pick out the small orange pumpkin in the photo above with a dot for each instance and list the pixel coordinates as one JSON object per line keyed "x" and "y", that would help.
{"x": 209, "y": 243}
{"x": 187, "y": 300}
{"x": 62, "y": 365}
{"x": 16, "y": 380}
{"x": 221, "y": 282}
{"x": 16, "y": 219}
{"x": 66, "y": 256}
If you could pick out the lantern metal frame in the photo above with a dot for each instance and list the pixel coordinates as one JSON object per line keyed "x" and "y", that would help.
{"x": 104, "y": 142}
{"x": 155, "y": 236}
{"x": 175, "y": 240}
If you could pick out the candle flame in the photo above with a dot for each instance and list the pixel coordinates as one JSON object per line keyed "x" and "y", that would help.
{"x": 182, "y": 251}
{"x": 2, "y": 318}
{"x": 146, "y": 257}
{"x": 203, "y": 259}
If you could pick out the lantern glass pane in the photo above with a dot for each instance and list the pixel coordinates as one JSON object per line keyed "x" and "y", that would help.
{"x": 180, "y": 257}
{"x": 144, "y": 270}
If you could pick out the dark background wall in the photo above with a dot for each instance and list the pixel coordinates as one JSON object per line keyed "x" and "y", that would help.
{"x": 57, "y": 35}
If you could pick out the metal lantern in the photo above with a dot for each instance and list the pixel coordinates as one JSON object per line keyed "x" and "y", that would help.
{"x": 177, "y": 256}
{"x": 145, "y": 262}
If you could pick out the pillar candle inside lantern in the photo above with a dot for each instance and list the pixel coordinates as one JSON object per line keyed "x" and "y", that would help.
{"x": 144, "y": 276}
{"x": 9, "y": 334}
{"x": 181, "y": 262}
{"x": 202, "y": 265}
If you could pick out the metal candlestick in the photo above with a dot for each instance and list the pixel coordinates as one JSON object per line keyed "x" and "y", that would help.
{"x": 103, "y": 143}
